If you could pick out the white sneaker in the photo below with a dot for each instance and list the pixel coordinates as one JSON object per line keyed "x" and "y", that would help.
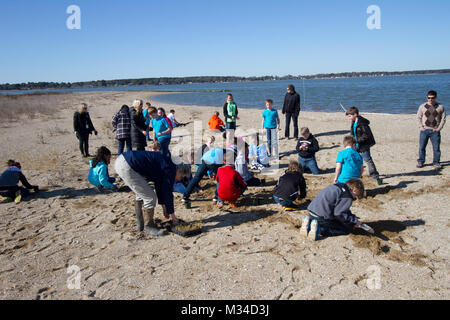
{"x": 305, "y": 226}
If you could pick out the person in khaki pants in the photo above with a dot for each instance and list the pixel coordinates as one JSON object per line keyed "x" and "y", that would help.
{"x": 137, "y": 169}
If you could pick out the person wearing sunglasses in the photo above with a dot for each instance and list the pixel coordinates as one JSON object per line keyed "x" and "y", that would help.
{"x": 431, "y": 116}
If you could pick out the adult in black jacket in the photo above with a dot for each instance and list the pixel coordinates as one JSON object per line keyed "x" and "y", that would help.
{"x": 138, "y": 126}
{"x": 83, "y": 127}
{"x": 364, "y": 140}
{"x": 291, "y": 108}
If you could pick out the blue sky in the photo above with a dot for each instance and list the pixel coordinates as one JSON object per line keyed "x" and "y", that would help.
{"x": 145, "y": 38}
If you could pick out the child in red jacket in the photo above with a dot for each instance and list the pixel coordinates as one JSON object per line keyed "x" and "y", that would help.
{"x": 230, "y": 186}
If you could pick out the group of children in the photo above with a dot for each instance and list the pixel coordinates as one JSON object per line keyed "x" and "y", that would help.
{"x": 329, "y": 212}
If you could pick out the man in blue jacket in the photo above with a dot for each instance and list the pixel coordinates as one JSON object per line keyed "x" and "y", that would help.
{"x": 137, "y": 168}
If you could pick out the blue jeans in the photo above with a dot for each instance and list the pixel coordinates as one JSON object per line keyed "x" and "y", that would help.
{"x": 330, "y": 228}
{"x": 201, "y": 172}
{"x": 283, "y": 202}
{"x": 122, "y": 143}
{"x": 309, "y": 163}
{"x": 272, "y": 137}
{"x": 435, "y": 138}
{"x": 165, "y": 147}
{"x": 371, "y": 165}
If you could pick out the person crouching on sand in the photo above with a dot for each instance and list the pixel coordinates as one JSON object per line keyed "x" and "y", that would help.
{"x": 98, "y": 172}
{"x": 329, "y": 212}
{"x": 289, "y": 185}
{"x": 8, "y": 183}
{"x": 137, "y": 169}
{"x": 230, "y": 185}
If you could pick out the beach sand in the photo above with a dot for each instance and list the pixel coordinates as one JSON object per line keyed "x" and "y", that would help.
{"x": 255, "y": 252}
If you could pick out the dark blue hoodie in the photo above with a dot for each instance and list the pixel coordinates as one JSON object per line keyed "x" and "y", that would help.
{"x": 153, "y": 166}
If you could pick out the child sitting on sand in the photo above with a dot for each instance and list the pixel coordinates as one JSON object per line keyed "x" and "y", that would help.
{"x": 215, "y": 123}
{"x": 257, "y": 154}
{"x": 98, "y": 172}
{"x": 349, "y": 163}
{"x": 307, "y": 146}
{"x": 288, "y": 186}
{"x": 329, "y": 212}
{"x": 241, "y": 166}
{"x": 8, "y": 183}
{"x": 230, "y": 185}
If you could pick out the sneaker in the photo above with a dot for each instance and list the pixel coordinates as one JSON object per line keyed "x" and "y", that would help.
{"x": 254, "y": 167}
{"x": 379, "y": 181}
{"x": 314, "y": 230}
{"x": 232, "y": 205}
{"x": 305, "y": 226}
{"x": 419, "y": 165}
{"x": 219, "y": 204}
{"x": 5, "y": 199}
{"x": 214, "y": 199}
{"x": 437, "y": 166}
{"x": 154, "y": 231}
{"x": 18, "y": 197}
{"x": 288, "y": 208}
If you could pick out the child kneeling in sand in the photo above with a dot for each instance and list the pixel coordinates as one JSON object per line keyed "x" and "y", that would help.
{"x": 98, "y": 172}
{"x": 230, "y": 185}
{"x": 9, "y": 180}
{"x": 258, "y": 154}
{"x": 288, "y": 186}
{"x": 329, "y": 212}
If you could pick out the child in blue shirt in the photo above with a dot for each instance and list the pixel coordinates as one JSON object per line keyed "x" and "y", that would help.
{"x": 349, "y": 163}
{"x": 270, "y": 123}
{"x": 162, "y": 131}
{"x": 98, "y": 172}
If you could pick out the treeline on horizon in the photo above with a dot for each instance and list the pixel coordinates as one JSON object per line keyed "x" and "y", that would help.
{"x": 201, "y": 79}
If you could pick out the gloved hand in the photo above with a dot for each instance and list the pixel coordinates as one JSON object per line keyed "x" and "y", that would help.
{"x": 95, "y": 132}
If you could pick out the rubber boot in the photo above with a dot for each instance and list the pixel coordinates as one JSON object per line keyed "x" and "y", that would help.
{"x": 151, "y": 228}
{"x": 139, "y": 217}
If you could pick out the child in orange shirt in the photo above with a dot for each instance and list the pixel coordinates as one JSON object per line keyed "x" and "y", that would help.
{"x": 215, "y": 123}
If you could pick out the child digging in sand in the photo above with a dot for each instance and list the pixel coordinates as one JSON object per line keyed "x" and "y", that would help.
{"x": 287, "y": 189}
{"x": 329, "y": 212}
{"x": 230, "y": 185}
{"x": 9, "y": 179}
{"x": 215, "y": 123}
{"x": 98, "y": 172}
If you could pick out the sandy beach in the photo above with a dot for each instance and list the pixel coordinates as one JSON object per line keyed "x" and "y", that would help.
{"x": 253, "y": 252}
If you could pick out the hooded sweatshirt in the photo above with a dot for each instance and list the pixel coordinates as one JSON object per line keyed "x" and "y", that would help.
{"x": 230, "y": 183}
{"x": 311, "y": 143}
{"x": 288, "y": 186}
{"x": 333, "y": 203}
{"x": 215, "y": 122}
{"x": 98, "y": 176}
{"x": 363, "y": 134}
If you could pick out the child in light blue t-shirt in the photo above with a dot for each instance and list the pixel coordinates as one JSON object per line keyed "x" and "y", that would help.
{"x": 162, "y": 131}
{"x": 349, "y": 163}
{"x": 270, "y": 123}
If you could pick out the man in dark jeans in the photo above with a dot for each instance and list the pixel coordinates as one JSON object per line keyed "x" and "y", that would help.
{"x": 83, "y": 127}
{"x": 431, "y": 118}
{"x": 291, "y": 108}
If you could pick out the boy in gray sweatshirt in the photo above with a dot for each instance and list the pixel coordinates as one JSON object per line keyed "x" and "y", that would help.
{"x": 329, "y": 212}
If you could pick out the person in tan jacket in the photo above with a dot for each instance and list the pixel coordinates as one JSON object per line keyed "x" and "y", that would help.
{"x": 431, "y": 117}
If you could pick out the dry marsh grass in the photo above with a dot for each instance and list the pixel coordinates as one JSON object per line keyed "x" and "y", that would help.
{"x": 16, "y": 107}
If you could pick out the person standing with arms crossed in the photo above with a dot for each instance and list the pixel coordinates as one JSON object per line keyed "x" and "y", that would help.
{"x": 431, "y": 116}
{"x": 291, "y": 108}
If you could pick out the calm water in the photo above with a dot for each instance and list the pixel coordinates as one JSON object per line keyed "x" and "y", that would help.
{"x": 400, "y": 94}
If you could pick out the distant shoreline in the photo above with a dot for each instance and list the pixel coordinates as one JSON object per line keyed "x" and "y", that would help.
{"x": 30, "y": 86}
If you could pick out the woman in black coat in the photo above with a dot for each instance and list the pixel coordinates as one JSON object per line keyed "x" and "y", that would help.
{"x": 83, "y": 127}
{"x": 138, "y": 127}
